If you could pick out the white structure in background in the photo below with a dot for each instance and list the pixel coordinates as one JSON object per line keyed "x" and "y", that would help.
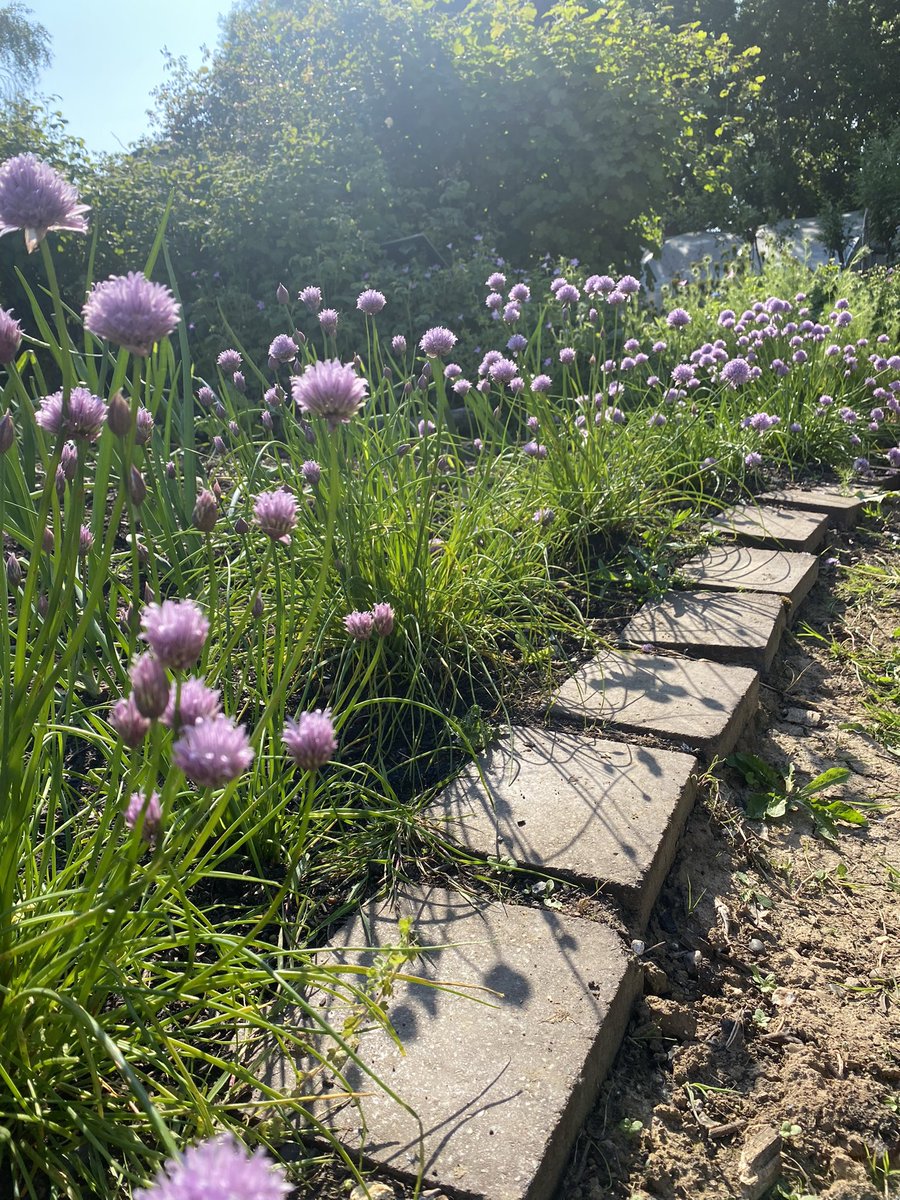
{"x": 802, "y": 238}
{"x": 710, "y": 255}
{"x": 691, "y": 256}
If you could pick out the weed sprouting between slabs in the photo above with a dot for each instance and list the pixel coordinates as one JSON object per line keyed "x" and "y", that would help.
{"x": 249, "y": 621}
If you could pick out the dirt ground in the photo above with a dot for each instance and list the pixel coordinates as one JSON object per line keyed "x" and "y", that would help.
{"x": 764, "y": 1058}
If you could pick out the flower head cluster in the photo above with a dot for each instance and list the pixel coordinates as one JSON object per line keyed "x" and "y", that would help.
{"x": 361, "y": 625}
{"x": 370, "y": 302}
{"x": 146, "y": 809}
{"x": 191, "y": 703}
{"x": 330, "y": 389}
{"x": 10, "y": 336}
{"x": 81, "y": 417}
{"x": 310, "y": 740}
{"x": 678, "y": 318}
{"x": 276, "y": 514}
{"x": 283, "y": 348}
{"x": 220, "y": 1169}
{"x": 736, "y": 372}
{"x": 175, "y": 631}
{"x": 312, "y": 297}
{"x": 213, "y": 752}
{"x": 437, "y": 342}
{"x": 131, "y": 311}
{"x": 36, "y": 199}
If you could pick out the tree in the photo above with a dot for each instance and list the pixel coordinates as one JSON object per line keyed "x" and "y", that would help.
{"x": 24, "y": 50}
{"x": 830, "y": 85}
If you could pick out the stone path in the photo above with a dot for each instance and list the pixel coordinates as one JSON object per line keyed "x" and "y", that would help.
{"x": 501, "y": 1087}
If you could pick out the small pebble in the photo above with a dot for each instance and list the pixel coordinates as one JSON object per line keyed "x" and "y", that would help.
{"x": 756, "y": 946}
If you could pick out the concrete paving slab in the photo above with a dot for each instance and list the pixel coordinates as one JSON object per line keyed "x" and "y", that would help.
{"x": 781, "y": 528}
{"x": 743, "y": 627}
{"x": 842, "y": 508}
{"x": 754, "y": 569}
{"x": 501, "y": 1088}
{"x": 578, "y": 807}
{"x": 700, "y": 704}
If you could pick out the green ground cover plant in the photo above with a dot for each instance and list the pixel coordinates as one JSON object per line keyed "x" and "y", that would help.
{"x": 252, "y": 618}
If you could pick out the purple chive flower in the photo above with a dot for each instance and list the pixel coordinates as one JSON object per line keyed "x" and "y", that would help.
{"x": 330, "y": 389}
{"x": 494, "y": 301}
{"x": 601, "y": 285}
{"x": 328, "y": 320}
{"x": 544, "y": 516}
{"x": 175, "y": 631}
{"x": 220, "y": 1169}
{"x": 311, "y": 297}
{"x": 503, "y": 370}
{"x": 212, "y": 753}
{"x": 568, "y": 294}
{"x": 276, "y": 515}
{"x": 360, "y": 625}
{"x": 206, "y": 396}
{"x": 462, "y": 387}
{"x": 229, "y": 361}
{"x": 196, "y": 702}
{"x": 495, "y": 281}
{"x": 753, "y": 459}
{"x": 628, "y": 285}
{"x": 534, "y": 450}
{"x": 437, "y": 342}
{"x": 283, "y": 348}
{"x": 678, "y": 318}
{"x": 541, "y": 383}
{"x": 567, "y": 356}
{"x": 795, "y": 427}
{"x": 511, "y": 313}
{"x": 520, "y": 293}
{"x": 206, "y": 512}
{"x": 370, "y": 302}
{"x": 131, "y": 311}
{"x": 893, "y": 456}
{"x": 85, "y": 541}
{"x": 861, "y": 466}
{"x": 383, "y": 619}
{"x": 36, "y": 199}
{"x": 682, "y": 374}
{"x": 658, "y": 419}
{"x": 83, "y": 418}
{"x": 128, "y": 722}
{"x": 736, "y": 372}
{"x": 143, "y": 426}
{"x": 10, "y": 336}
{"x": 398, "y": 343}
{"x": 148, "y": 808}
{"x": 150, "y": 686}
{"x": 310, "y": 740}
{"x": 617, "y": 297}
{"x": 517, "y": 342}
{"x": 311, "y": 472}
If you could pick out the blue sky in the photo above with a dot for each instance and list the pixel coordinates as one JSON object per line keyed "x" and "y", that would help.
{"x": 107, "y": 58}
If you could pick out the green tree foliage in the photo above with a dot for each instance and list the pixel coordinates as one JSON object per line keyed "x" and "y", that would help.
{"x": 24, "y": 49}
{"x": 831, "y": 85}
{"x": 321, "y": 129}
